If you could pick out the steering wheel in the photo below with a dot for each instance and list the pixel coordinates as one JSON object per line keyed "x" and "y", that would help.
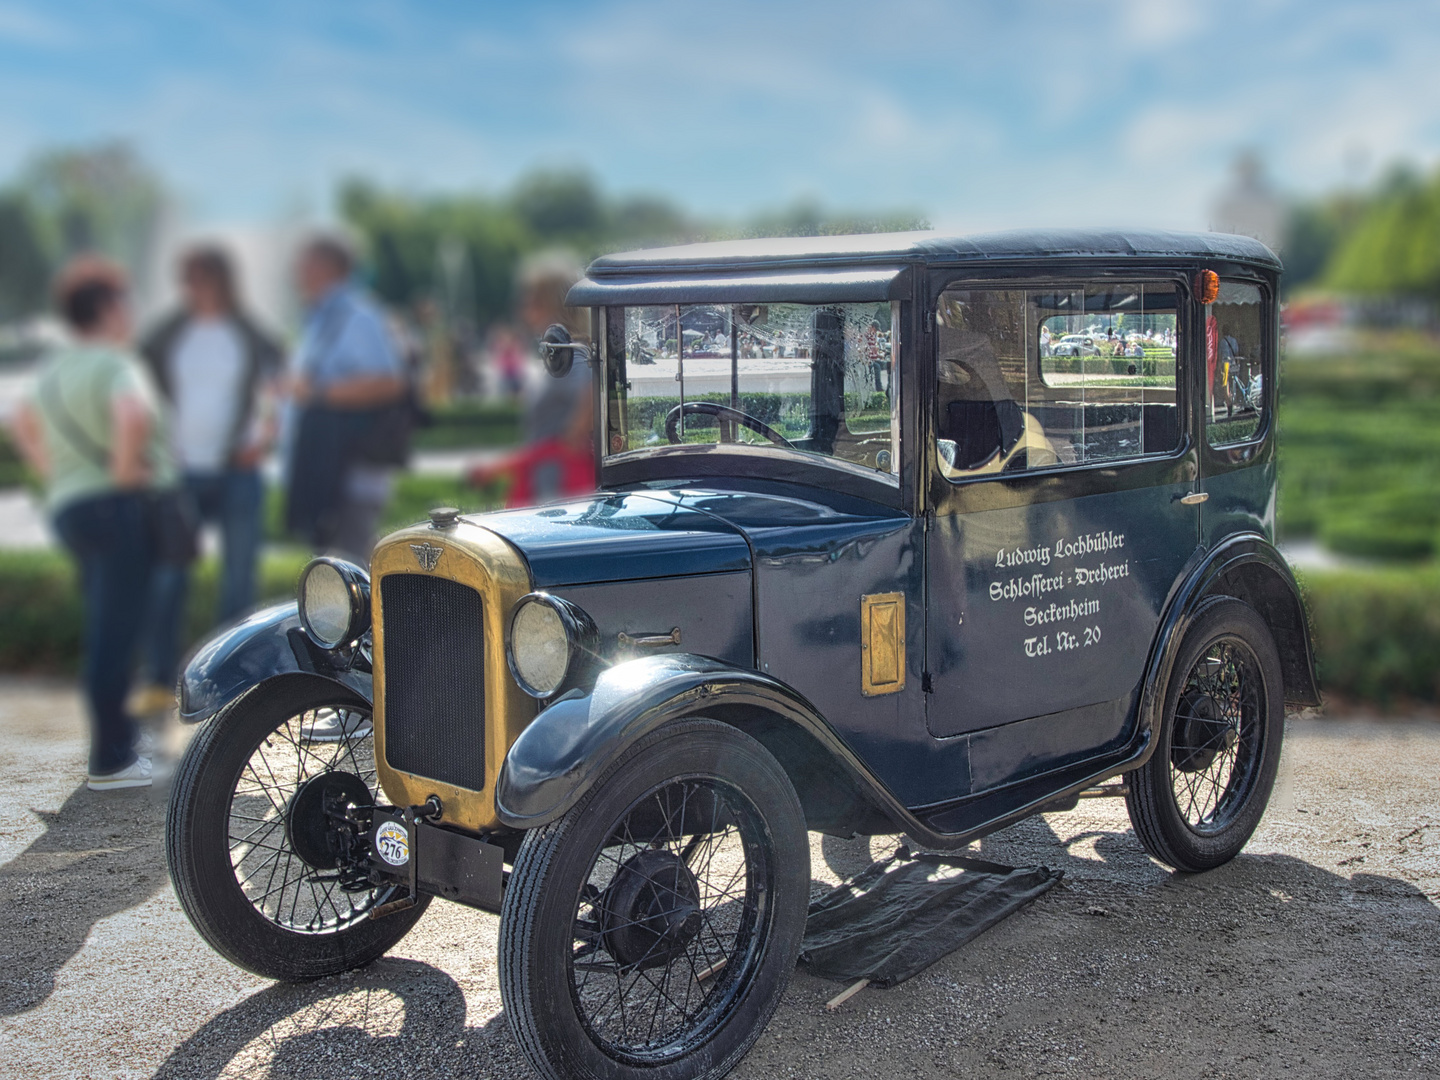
{"x": 720, "y": 412}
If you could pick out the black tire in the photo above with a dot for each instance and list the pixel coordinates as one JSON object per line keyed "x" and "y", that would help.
{"x": 564, "y": 1023}
{"x": 1198, "y": 799}
{"x": 234, "y": 776}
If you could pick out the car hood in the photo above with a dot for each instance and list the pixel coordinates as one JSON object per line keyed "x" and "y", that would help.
{"x": 676, "y": 532}
{"x": 619, "y": 537}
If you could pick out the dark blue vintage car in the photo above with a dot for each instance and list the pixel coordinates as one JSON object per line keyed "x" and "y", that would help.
{"x": 876, "y": 549}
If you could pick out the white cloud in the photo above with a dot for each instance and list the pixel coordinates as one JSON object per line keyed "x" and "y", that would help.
{"x": 27, "y": 27}
{"x": 1160, "y": 23}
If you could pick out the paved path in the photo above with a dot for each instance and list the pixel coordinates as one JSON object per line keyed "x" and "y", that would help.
{"x": 1313, "y": 954}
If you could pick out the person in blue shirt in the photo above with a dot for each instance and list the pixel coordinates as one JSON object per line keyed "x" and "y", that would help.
{"x": 350, "y": 397}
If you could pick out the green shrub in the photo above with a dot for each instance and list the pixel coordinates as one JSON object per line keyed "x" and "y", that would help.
{"x": 40, "y": 612}
{"x": 13, "y": 471}
{"x": 465, "y": 424}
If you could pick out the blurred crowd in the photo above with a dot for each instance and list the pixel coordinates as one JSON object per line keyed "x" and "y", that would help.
{"x": 144, "y": 436}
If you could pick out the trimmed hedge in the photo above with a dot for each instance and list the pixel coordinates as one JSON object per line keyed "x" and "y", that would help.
{"x": 40, "y": 612}
{"x": 1110, "y": 365}
{"x": 1377, "y": 633}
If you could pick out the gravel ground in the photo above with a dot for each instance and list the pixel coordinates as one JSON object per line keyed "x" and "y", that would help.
{"x": 1313, "y": 953}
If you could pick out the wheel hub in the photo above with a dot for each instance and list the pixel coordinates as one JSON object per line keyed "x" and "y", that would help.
{"x": 651, "y": 910}
{"x": 1201, "y": 732}
{"x": 310, "y": 819}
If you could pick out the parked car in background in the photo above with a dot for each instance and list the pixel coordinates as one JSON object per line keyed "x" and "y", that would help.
{"x": 1075, "y": 345}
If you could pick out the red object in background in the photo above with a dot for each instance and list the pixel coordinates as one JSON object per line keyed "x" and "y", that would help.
{"x": 1212, "y": 349}
{"x": 547, "y": 470}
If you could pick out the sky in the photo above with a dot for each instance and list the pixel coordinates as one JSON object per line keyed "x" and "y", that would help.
{"x": 979, "y": 115}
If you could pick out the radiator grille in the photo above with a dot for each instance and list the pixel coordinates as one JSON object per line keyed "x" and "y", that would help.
{"x": 434, "y": 679}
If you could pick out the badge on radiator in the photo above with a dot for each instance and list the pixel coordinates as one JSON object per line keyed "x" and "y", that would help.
{"x": 392, "y": 843}
{"x": 427, "y": 555}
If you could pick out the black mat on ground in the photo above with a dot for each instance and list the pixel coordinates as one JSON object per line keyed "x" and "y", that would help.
{"x": 900, "y": 915}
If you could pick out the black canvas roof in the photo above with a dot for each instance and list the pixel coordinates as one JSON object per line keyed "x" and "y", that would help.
{"x": 938, "y": 247}
{"x": 802, "y": 268}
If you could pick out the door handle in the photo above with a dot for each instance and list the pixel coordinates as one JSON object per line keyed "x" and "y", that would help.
{"x": 1195, "y": 498}
{"x": 648, "y": 641}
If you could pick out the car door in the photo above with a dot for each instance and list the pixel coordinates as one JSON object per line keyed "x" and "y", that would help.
{"x": 1063, "y": 508}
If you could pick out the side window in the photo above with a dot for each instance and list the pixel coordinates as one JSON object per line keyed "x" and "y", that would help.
{"x": 1234, "y": 365}
{"x": 1035, "y": 378}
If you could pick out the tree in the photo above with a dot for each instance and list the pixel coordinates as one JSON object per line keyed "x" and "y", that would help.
{"x": 24, "y": 269}
{"x": 102, "y": 198}
{"x": 1395, "y": 246}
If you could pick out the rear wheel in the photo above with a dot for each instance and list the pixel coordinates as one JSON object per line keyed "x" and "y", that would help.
{"x": 1197, "y": 801}
{"x": 652, "y": 930}
{"x": 256, "y": 836}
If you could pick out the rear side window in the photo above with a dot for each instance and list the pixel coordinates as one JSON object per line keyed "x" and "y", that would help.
{"x": 1234, "y": 368}
{"x": 1042, "y": 377}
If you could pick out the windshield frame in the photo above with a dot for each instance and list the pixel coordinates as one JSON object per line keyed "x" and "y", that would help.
{"x": 749, "y": 461}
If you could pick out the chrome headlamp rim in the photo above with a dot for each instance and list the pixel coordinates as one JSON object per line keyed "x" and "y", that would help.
{"x": 582, "y": 641}
{"x": 356, "y": 583}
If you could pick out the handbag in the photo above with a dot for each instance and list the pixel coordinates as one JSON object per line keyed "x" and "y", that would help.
{"x": 172, "y": 520}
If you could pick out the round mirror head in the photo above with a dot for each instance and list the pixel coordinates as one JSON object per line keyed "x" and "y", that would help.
{"x": 558, "y": 359}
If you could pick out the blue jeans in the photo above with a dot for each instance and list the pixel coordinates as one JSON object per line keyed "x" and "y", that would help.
{"x": 234, "y": 499}
{"x": 109, "y": 538}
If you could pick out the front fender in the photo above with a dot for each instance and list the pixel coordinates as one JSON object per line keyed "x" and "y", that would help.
{"x": 566, "y": 748}
{"x": 269, "y": 644}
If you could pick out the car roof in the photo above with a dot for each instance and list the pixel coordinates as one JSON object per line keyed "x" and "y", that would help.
{"x": 938, "y": 247}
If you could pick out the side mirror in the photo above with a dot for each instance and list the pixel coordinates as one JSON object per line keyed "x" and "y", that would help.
{"x": 558, "y": 351}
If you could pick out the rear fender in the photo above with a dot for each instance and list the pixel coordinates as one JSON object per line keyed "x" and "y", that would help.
{"x": 571, "y": 744}
{"x": 1247, "y": 567}
{"x": 269, "y": 645}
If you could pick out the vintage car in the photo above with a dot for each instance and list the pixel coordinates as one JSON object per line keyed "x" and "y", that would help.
{"x": 877, "y": 566}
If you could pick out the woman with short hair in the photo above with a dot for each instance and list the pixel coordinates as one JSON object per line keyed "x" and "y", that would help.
{"x": 92, "y": 428}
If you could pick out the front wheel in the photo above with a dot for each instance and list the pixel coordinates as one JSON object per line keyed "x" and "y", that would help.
{"x": 256, "y": 832}
{"x": 1196, "y": 802}
{"x": 651, "y": 931}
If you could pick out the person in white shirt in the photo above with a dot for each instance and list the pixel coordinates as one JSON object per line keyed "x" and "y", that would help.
{"x": 220, "y": 373}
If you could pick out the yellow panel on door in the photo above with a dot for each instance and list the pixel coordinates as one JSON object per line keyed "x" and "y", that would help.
{"x": 882, "y": 644}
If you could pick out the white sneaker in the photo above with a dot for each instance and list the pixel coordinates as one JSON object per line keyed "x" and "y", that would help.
{"x": 137, "y": 774}
{"x": 147, "y": 745}
{"x": 329, "y": 727}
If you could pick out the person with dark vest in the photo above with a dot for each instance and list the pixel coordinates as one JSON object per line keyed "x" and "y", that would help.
{"x": 219, "y": 371}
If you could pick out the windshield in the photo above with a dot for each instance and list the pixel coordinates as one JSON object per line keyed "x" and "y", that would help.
{"x": 816, "y": 379}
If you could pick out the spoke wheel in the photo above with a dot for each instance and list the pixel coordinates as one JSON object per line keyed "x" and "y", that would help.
{"x": 265, "y": 802}
{"x": 1217, "y": 736}
{"x": 283, "y": 812}
{"x": 1202, "y": 793}
{"x": 651, "y": 930}
{"x": 670, "y": 921}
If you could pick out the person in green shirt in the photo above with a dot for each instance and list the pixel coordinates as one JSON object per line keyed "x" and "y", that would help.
{"x": 93, "y": 430}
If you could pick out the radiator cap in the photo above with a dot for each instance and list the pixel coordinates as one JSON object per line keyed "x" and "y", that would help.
{"x": 444, "y": 517}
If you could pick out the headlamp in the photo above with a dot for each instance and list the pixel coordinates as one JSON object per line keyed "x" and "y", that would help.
{"x": 334, "y": 602}
{"x": 551, "y": 644}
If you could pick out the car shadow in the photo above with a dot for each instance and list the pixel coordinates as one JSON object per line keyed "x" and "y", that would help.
{"x": 1127, "y": 955}
{"x": 99, "y": 854}
{"x": 394, "y": 1017}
